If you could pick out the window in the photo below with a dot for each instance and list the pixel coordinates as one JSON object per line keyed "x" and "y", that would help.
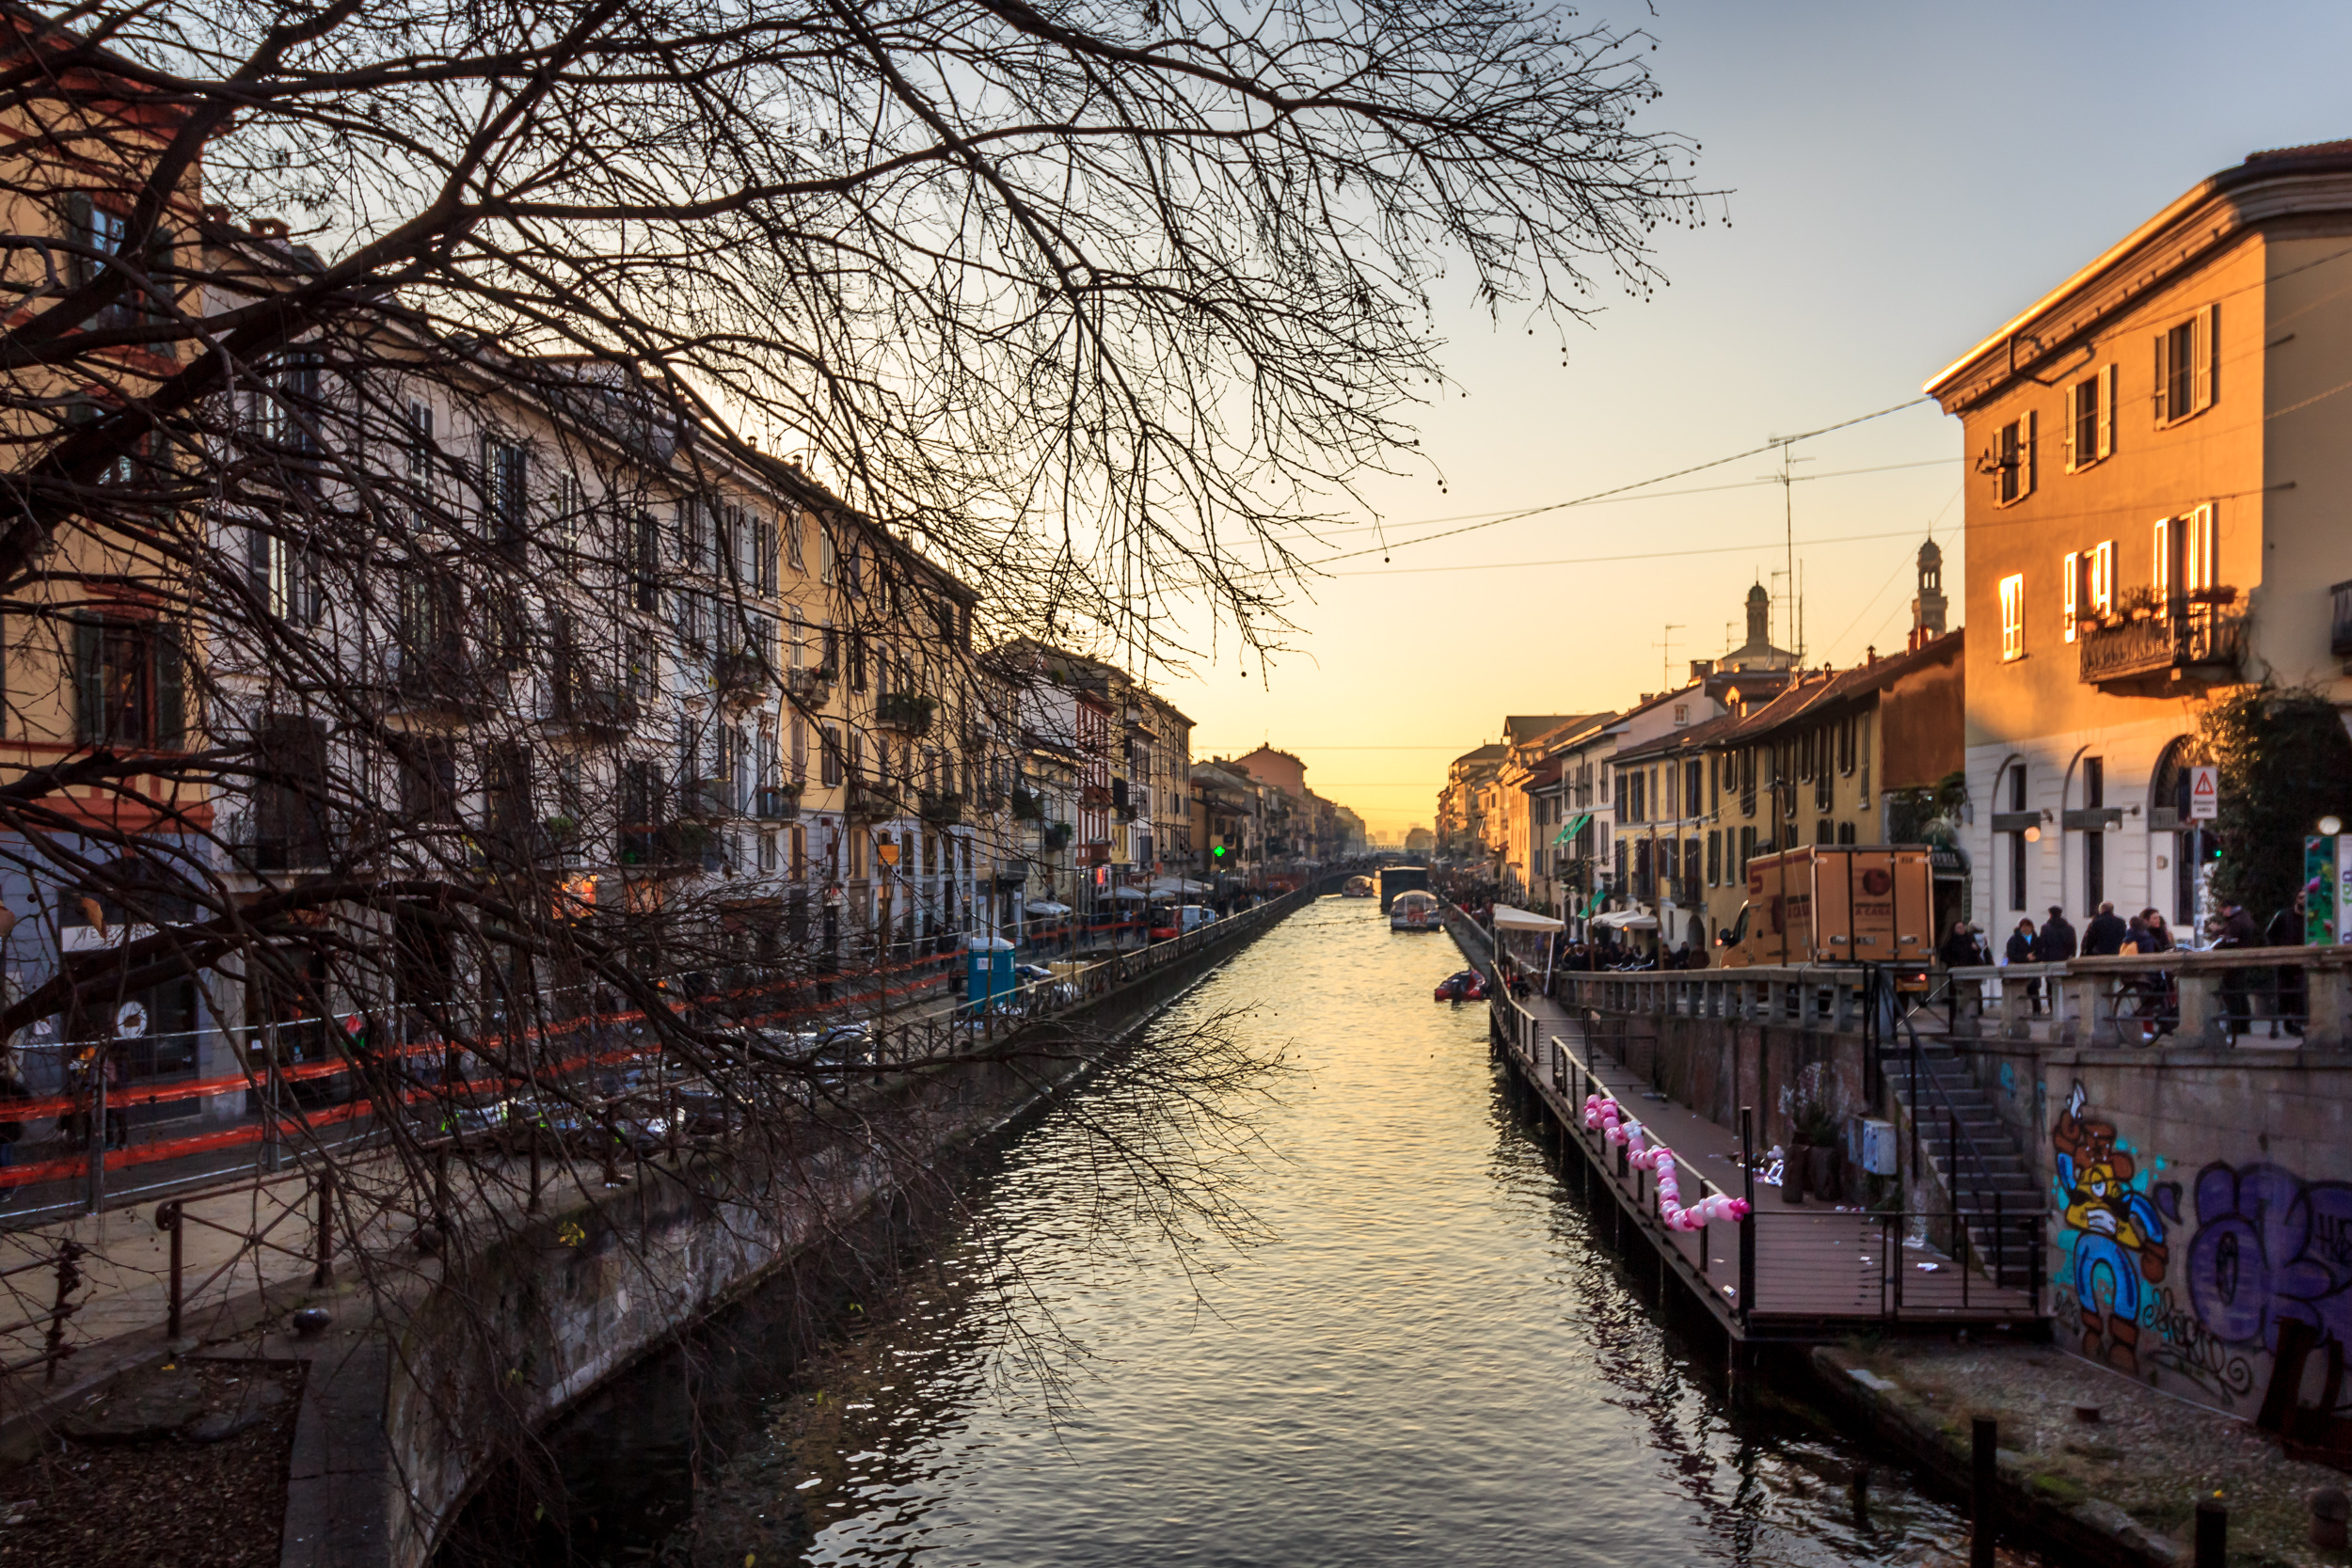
{"x": 2201, "y": 550}
{"x": 428, "y": 781}
{"x": 799, "y": 750}
{"x": 505, "y": 496}
{"x": 92, "y": 226}
{"x": 284, "y": 577}
{"x": 2087, "y": 578}
{"x": 2187, "y": 366}
{"x": 643, "y": 665}
{"x": 571, "y": 509}
{"x": 128, "y": 687}
{"x": 1683, "y": 713}
{"x": 2011, "y": 465}
{"x": 2014, "y": 617}
{"x": 1715, "y": 858}
{"x": 417, "y": 438}
{"x": 2090, "y": 419}
{"x": 793, "y": 549}
{"x": 832, "y": 759}
{"x": 824, "y": 553}
{"x": 645, "y": 564}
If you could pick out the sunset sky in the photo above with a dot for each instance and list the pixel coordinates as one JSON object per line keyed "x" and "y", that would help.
{"x": 1902, "y": 179}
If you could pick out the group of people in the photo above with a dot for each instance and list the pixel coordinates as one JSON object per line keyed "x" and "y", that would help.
{"x": 2109, "y": 934}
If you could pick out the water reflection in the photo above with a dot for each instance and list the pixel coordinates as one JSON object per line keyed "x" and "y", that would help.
{"x": 1428, "y": 1359}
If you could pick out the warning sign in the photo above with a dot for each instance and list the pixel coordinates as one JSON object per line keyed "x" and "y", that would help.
{"x": 2204, "y": 792}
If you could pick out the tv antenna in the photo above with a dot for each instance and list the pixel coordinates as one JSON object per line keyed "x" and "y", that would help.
{"x": 1666, "y": 656}
{"x": 1787, "y": 480}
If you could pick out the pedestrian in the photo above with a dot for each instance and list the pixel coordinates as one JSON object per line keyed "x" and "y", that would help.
{"x": 2020, "y": 951}
{"x": 2103, "y": 937}
{"x": 118, "y": 1119}
{"x": 2287, "y": 928}
{"x": 2234, "y": 929}
{"x": 2160, "y": 937}
{"x": 2137, "y": 936}
{"x": 2056, "y": 944}
{"x": 1958, "y": 950}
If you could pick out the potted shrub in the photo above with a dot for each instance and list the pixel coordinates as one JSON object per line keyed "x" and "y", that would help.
{"x": 1814, "y": 1114}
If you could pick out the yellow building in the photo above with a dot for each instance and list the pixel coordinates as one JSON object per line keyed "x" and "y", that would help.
{"x": 2161, "y": 446}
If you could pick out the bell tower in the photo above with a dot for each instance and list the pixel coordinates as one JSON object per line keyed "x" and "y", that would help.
{"x": 1927, "y": 608}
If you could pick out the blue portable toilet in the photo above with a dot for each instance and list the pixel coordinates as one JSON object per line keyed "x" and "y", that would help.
{"x": 988, "y": 971}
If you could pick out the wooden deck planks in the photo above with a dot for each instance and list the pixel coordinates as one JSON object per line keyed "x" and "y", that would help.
{"x": 1814, "y": 1265}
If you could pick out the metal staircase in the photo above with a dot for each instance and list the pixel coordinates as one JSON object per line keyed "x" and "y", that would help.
{"x": 1957, "y": 1135}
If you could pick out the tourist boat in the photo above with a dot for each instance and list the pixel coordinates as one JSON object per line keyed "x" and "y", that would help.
{"x": 1358, "y": 887}
{"x": 1463, "y": 985}
{"x": 1415, "y": 912}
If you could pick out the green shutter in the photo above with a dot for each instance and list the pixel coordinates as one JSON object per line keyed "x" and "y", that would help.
{"x": 88, "y": 684}
{"x": 78, "y": 228}
{"x": 171, "y": 716}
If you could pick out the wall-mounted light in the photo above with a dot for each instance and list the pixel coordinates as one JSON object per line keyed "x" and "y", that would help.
{"x": 2330, "y": 826}
{"x": 2033, "y": 835}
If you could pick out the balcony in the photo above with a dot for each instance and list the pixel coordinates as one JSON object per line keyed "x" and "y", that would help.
{"x": 1028, "y": 806}
{"x": 740, "y": 680}
{"x": 1057, "y": 836}
{"x": 943, "y": 810}
{"x": 442, "y": 684}
{"x": 868, "y": 803}
{"x": 905, "y": 713}
{"x": 810, "y": 687}
{"x": 590, "y": 709}
{"x": 778, "y": 803}
{"x": 671, "y": 849}
{"x": 2198, "y": 642}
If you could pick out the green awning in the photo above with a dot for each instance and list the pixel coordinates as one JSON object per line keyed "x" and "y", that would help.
{"x": 1598, "y": 893}
{"x": 1571, "y": 828}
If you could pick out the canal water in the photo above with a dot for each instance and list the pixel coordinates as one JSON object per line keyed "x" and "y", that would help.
{"x": 1423, "y": 1353}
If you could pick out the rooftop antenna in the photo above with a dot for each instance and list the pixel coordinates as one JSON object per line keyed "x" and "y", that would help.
{"x": 1787, "y": 480}
{"x": 1666, "y": 656}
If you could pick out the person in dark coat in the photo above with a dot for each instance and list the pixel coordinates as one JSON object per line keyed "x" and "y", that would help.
{"x": 2020, "y": 951}
{"x": 1958, "y": 950}
{"x": 2287, "y": 928}
{"x": 2103, "y": 937}
{"x": 2056, "y": 944}
{"x": 2234, "y": 929}
{"x": 2160, "y": 934}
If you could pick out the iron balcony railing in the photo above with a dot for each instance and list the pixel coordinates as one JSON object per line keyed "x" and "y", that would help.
{"x": 2190, "y": 635}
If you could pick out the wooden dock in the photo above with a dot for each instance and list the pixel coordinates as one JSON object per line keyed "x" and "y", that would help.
{"x": 1786, "y": 1273}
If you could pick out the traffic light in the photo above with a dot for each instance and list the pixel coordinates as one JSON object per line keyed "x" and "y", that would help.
{"x": 1218, "y": 852}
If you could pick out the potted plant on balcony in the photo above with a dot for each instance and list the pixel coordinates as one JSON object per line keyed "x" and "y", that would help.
{"x": 907, "y": 712}
{"x": 1058, "y": 835}
{"x": 781, "y": 802}
{"x": 1028, "y": 806}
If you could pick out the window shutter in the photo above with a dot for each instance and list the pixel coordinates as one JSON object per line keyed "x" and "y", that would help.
{"x": 79, "y": 223}
{"x": 257, "y": 544}
{"x": 159, "y": 265}
{"x": 2162, "y": 575}
{"x": 89, "y": 719}
{"x": 2027, "y": 457}
{"x": 2070, "y": 579}
{"x": 2105, "y": 392}
{"x": 2158, "y": 403}
{"x": 2203, "y": 550}
{"x": 171, "y": 717}
{"x": 2068, "y": 417}
{"x": 2208, "y": 356}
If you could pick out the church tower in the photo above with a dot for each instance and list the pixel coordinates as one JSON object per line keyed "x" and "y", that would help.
{"x": 1927, "y": 610}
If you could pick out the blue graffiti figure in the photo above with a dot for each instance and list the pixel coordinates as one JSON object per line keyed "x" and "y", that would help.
{"x": 2119, "y": 1238}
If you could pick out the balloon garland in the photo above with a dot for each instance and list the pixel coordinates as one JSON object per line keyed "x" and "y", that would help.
{"x": 1615, "y": 1128}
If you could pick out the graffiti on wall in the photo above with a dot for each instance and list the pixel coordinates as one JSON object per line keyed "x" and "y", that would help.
{"x": 2147, "y": 1287}
{"x": 2114, "y": 1230}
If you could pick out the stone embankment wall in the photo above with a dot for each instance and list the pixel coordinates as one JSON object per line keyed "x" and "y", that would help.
{"x": 522, "y": 1328}
{"x": 2196, "y": 1197}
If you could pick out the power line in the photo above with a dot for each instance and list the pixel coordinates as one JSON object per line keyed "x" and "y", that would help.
{"x": 1643, "y": 484}
{"x": 1601, "y": 560}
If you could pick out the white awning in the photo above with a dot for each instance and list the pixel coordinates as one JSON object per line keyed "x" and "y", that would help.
{"x": 1509, "y": 919}
{"x": 1134, "y": 895}
{"x": 1161, "y": 885}
{"x": 987, "y": 944}
{"x": 1046, "y": 906}
{"x": 1628, "y": 920}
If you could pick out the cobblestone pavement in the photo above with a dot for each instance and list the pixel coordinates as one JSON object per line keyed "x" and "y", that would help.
{"x": 2147, "y": 1454}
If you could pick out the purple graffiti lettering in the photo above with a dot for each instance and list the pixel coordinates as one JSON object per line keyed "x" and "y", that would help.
{"x": 2270, "y": 1245}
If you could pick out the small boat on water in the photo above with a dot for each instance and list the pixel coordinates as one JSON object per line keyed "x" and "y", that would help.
{"x": 1358, "y": 887}
{"x": 1416, "y": 912}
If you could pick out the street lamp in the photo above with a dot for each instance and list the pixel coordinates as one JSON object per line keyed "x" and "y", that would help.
{"x": 2330, "y": 826}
